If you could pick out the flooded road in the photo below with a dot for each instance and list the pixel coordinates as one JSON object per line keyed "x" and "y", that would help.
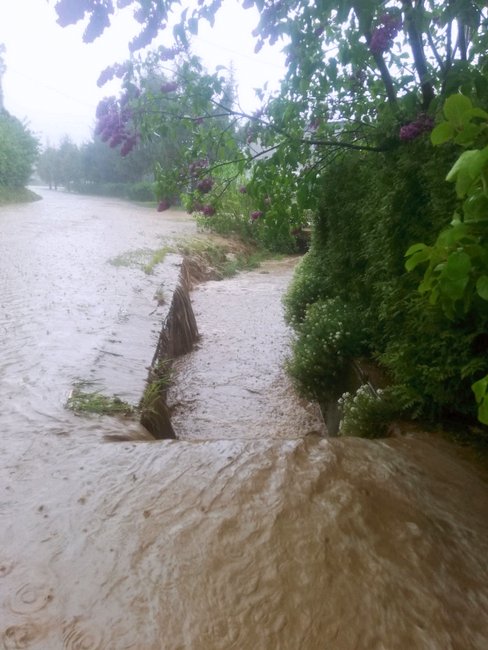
{"x": 238, "y": 537}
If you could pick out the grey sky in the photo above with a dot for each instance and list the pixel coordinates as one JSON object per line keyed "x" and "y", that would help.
{"x": 51, "y": 74}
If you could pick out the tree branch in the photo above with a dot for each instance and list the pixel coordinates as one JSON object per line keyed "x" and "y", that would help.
{"x": 420, "y": 61}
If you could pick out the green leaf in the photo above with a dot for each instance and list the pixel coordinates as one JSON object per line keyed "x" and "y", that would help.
{"x": 415, "y": 248}
{"x": 467, "y": 135}
{"x": 475, "y": 208}
{"x": 478, "y": 112}
{"x": 455, "y": 108}
{"x": 461, "y": 172}
{"x": 417, "y": 254}
{"x": 482, "y": 287}
{"x": 450, "y": 236}
{"x": 442, "y": 133}
{"x": 455, "y": 275}
{"x": 480, "y": 389}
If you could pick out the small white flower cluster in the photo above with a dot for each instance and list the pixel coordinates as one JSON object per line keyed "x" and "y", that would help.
{"x": 355, "y": 409}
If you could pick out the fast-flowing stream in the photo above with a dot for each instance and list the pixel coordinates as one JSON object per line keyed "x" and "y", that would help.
{"x": 241, "y": 535}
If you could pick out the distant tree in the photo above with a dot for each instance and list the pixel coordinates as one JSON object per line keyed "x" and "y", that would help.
{"x": 48, "y": 167}
{"x": 18, "y": 147}
{"x": 18, "y": 151}
{"x": 69, "y": 162}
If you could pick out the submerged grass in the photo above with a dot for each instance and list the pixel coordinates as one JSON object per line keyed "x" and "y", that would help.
{"x": 157, "y": 257}
{"x": 17, "y": 195}
{"x": 133, "y": 259}
{"x": 82, "y": 401}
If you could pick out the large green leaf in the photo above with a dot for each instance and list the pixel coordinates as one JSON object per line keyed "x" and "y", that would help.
{"x": 455, "y": 275}
{"x": 480, "y": 389}
{"x": 461, "y": 172}
{"x": 417, "y": 254}
{"x": 456, "y": 107}
{"x": 442, "y": 133}
{"x": 482, "y": 287}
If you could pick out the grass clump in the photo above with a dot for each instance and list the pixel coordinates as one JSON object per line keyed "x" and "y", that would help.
{"x": 158, "y": 385}
{"x": 82, "y": 401}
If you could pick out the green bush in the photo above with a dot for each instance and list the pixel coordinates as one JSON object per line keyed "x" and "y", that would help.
{"x": 307, "y": 286}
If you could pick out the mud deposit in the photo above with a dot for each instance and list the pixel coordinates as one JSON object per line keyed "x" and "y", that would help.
{"x": 248, "y": 537}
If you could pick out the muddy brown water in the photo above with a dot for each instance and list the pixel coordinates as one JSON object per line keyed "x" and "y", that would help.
{"x": 250, "y": 533}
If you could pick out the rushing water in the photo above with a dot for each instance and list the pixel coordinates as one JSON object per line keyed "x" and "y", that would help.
{"x": 75, "y": 305}
{"x": 242, "y": 536}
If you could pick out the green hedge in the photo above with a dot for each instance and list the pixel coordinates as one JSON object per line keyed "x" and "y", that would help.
{"x": 143, "y": 191}
{"x": 372, "y": 208}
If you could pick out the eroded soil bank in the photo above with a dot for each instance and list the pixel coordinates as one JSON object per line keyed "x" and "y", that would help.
{"x": 249, "y": 537}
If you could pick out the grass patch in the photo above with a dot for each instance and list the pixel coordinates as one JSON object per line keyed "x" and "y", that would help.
{"x": 143, "y": 259}
{"x": 132, "y": 259}
{"x": 226, "y": 256}
{"x": 157, "y": 257}
{"x": 81, "y": 401}
{"x": 17, "y": 195}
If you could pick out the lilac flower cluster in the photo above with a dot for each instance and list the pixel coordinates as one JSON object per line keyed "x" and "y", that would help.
{"x": 118, "y": 70}
{"x": 194, "y": 207}
{"x": 423, "y": 124}
{"x": 197, "y": 166}
{"x": 205, "y": 185}
{"x": 163, "y": 205}
{"x": 113, "y": 125}
{"x": 385, "y": 31}
{"x": 169, "y": 87}
{"x": 207, "y": 209}
{"x": 169, "y": 53}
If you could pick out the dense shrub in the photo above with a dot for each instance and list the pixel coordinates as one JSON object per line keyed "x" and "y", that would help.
{"x": 368, "y": 413}
{"x": 373, "y": 207}
{"x": 328, "y": 337}
{"x": 143, "y": 191}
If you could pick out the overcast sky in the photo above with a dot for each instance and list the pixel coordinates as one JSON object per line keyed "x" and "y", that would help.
{"x": 51, "y": 74}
